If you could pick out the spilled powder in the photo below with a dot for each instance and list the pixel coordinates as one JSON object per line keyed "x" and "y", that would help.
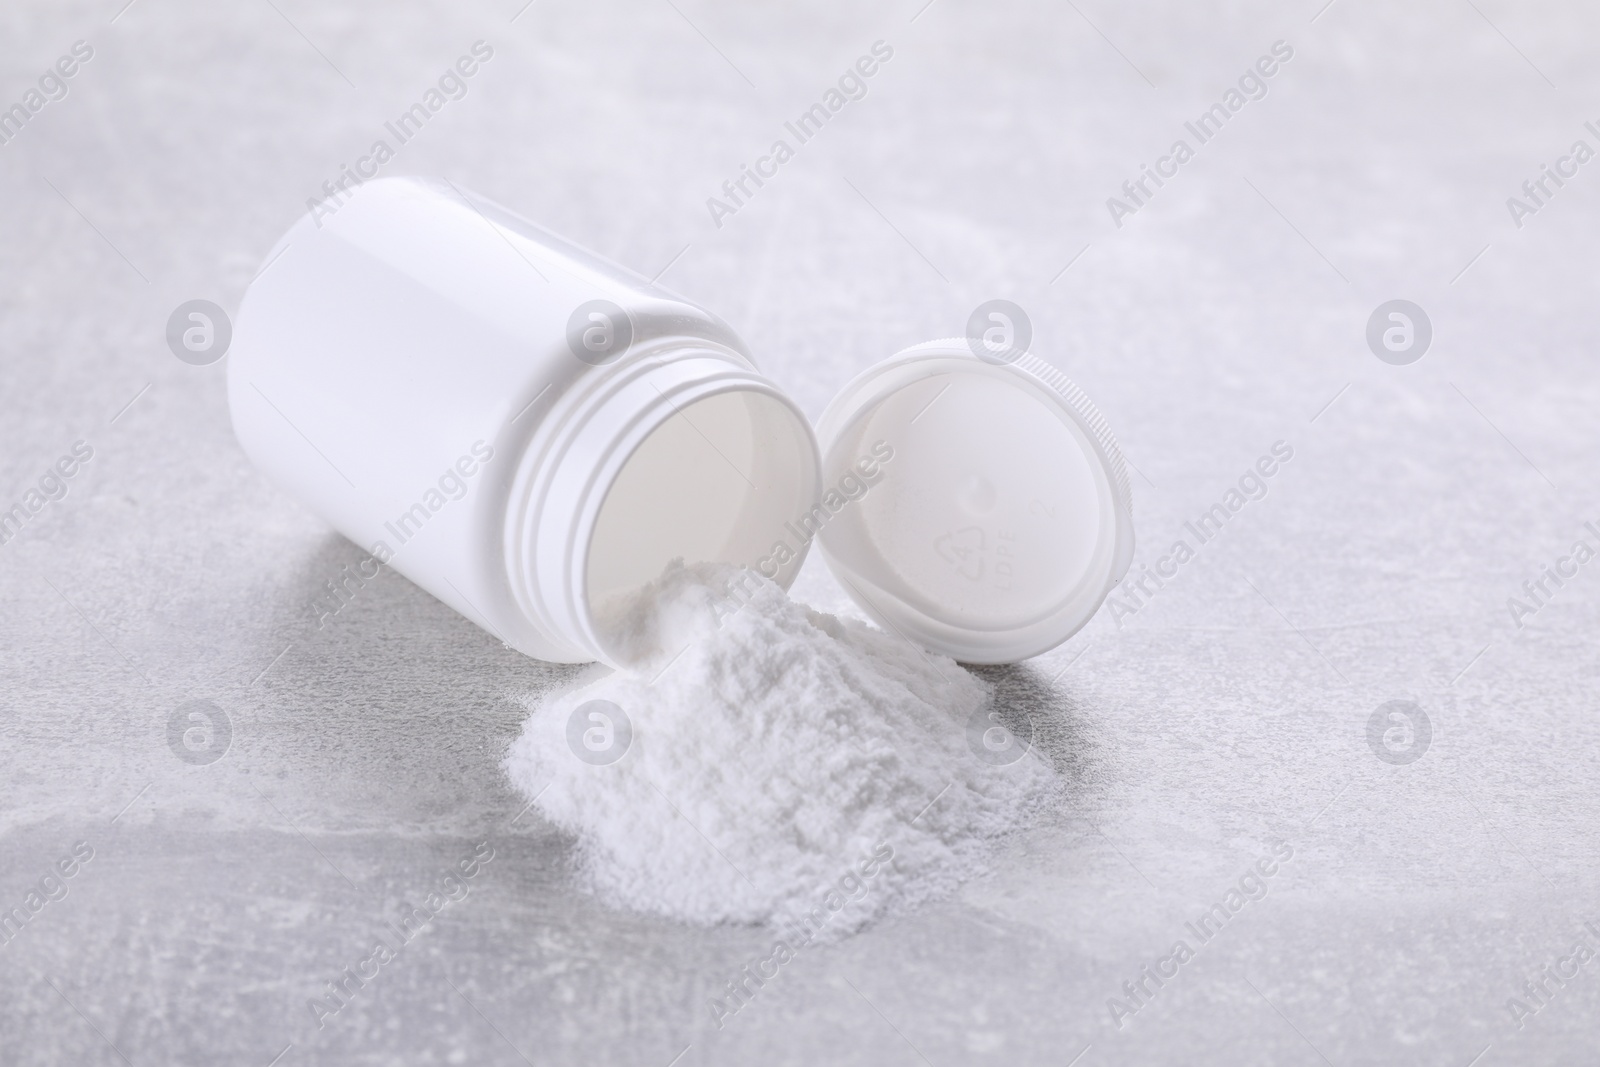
{"x": 785, "y": 767}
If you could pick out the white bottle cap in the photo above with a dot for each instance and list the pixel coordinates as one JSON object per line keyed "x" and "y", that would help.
{"x": 980, "y": 509}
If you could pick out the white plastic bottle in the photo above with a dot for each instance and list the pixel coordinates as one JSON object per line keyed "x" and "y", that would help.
{"x": 524, "y": 429}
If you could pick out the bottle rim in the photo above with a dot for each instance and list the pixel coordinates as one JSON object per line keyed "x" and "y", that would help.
{"x": 576, "y": 455}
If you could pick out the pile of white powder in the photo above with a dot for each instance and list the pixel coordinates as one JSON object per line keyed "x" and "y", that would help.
{"x": 760, "y": 762}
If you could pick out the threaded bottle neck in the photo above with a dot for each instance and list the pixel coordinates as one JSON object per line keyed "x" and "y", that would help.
{"x": 685, "y": 451}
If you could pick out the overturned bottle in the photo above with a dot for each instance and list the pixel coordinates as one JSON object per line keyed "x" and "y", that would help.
{"x": 529, "y": 432}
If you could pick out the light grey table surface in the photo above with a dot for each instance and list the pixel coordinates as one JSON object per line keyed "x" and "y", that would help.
{"x": 1230, "y": 712}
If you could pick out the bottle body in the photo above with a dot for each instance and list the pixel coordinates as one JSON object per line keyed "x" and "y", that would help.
{"x": 520, "y": 428}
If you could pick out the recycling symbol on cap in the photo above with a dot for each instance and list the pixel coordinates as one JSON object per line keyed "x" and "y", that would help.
{"x": 963, "y": 549}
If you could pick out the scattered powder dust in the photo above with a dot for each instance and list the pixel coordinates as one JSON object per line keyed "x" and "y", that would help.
{"x": 781, "y": 766}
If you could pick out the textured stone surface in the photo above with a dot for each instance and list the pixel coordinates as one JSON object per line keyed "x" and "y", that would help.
{"x": 1229, "y": 713}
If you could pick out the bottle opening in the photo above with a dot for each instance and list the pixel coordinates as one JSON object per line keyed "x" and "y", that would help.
{"x": 715, "y": 482}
